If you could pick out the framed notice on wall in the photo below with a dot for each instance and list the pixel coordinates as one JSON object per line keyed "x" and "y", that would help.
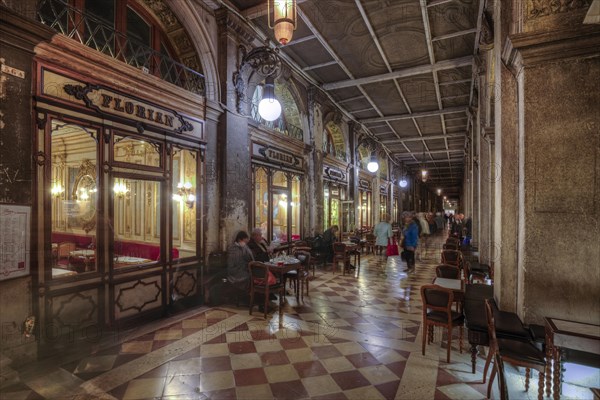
{"x": 15, "y": 223}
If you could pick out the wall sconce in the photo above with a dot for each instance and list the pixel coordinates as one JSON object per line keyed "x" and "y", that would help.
{"x": 373, "y": 165}
{"x": 57, "y": 190}
{"x": 120, "y": 189}
{"x": 185, "y": 193}
{"x": 283, "y": 19}
{"x": 269, "y": 107}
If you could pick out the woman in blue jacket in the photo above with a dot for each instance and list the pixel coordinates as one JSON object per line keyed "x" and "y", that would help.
{"x": 411, "y": 240}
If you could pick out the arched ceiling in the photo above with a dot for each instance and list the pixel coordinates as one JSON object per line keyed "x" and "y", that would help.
{"x": 401, "y": 68}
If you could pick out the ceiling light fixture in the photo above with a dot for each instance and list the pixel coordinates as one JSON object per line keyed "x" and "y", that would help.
{"x": 403, "y": 182}
{"x": 373, "y": 165}
{"x": 283, "y": 18}
{"x": 269, "y": 107}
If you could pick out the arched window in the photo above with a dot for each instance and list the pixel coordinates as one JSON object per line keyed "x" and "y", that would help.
{"x": 289, "y": 122}
{"x": 128, "y": 32}
{"x": 334, "y": 141}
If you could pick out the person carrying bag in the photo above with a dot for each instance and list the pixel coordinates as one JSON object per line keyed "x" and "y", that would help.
{"x": 392, "y": 247}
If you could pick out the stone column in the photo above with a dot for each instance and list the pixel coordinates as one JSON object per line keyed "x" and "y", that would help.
{"x": 234, "y": 166}
{"x": 556, "y": 63}
{"x": 18, "y": 37}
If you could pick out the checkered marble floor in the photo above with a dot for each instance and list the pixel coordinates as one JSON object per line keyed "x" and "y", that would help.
{"x": 354, "y": 337}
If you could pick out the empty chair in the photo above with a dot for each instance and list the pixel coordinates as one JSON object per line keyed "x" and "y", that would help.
{"x": 515, "y": 352}
{"x": 64, "y": 251}
{"x": 447, "y": 271}
{"x": 452, "y": 257}
{"x": 370, "y": 243}
{"x": 437, "y": 311}
{"x": 258, "y": 284}
{"x": 299, "y": 277}
{"x": 340, "y": 255}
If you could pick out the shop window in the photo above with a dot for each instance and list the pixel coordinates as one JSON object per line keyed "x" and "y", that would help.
{"x": 276, "y": 208}
{"x": 186, "y": 201}
{"x": 74, "y": 198}
{"x": 132, "y": 150}
{"x": 136, "y": 227}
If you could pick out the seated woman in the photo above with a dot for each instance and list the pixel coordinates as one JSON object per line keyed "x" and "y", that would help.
{"x": 259, "y": 246}
{"x": 238, "y": 257}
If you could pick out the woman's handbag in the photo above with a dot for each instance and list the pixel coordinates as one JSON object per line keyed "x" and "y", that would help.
{"x": 392, "y": 248}
{"x": 271, "y": 279}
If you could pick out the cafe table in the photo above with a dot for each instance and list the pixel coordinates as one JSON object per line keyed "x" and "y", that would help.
{"x": 279, "y": 266}
{"x": 352, "y": 250}
{"x": 565, "y": 334}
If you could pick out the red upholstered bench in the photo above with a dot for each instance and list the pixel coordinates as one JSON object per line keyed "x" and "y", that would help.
{"x": 141, "y": 250}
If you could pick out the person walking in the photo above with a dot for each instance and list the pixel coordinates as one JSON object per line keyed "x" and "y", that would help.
{"x": 383, "y": 233}
{"x": 411, "y": 240}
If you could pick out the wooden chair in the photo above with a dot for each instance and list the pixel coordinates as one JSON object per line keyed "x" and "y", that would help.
{"x": 259, "y": 271}
{"x": 340, "y": 255}
{"x": 447, "y": 271}
{"x": 501, "y": 378}
{"x": 64, "y": 250}
{"x": 450, "y": 246}
{"x": 437, "y": 311}
{"x": 515, "y": 352}
{"x": 474, "y": 276}
{"x": 299, "y": 277}
{"x": 370, "y": 243}
{"x": 452, "y": 257}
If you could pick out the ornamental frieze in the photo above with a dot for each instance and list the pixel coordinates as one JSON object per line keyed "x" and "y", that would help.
{"x": 542, "y": 8}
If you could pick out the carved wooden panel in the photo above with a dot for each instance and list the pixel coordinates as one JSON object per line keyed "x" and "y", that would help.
{"x": 72, "y": 312}
{"x": 137, "y": 296}
{"x": 185, "y": 284}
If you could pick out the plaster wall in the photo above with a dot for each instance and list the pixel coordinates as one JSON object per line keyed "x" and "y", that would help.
{"x": 561, "y": 274}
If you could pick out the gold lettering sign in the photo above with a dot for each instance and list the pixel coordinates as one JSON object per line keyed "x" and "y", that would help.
{"x": 277, "y": 156}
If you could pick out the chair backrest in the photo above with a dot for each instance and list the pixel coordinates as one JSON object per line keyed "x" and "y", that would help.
{"x": 450, "y": 246}
{"x": 437, "y": 298}
{"x": 501, "y": 378}
{"x": 257, "y": 271}
{"x": 371, "y": 238}
{"x": 339, "y": 248}
{"x": 452, "y": 257}
{"x": 491, "y": 324}
{"x": 447, "y": 271}
{"x": 301, "y": 243}
{"x": 304, "y": 257}
{"x": 65, "y": 249}
{"x": 453, "y": 240}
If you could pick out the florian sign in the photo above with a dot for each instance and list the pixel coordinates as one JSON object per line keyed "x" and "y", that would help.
{"x": 334, "y": 174}
{"x": 107, "y": 102}
{"x": 276, "y": 156}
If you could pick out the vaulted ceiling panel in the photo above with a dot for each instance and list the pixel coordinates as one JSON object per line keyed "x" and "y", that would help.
{"x": 430, "y": 125}
{"x": 404, "y": 127}
{"x": 456, "y": 47}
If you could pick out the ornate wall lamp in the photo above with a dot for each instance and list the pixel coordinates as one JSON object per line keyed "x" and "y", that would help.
{"x": 283, "y": 18}
{"x": 120, "y": 189}
{"x": 57, "y": 190}
{"x": 185, "y": 194}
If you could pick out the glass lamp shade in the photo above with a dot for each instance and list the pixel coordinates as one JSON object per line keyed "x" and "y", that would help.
{"x": 424, "y": 176}
{"x": 373, "y": 166}
{"x": 283, "y": 32}
{"x": 403, "y": 183}
{"x": 269, "y": 109}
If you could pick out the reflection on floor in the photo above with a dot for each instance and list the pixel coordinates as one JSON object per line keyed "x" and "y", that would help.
{"x": 352, "y": 338}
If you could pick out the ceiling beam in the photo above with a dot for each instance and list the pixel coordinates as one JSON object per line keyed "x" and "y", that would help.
{"x": 449, "y": 110}
{"x": 424, "y": 137}
{"x": 434, "y": 161}
{"x": 454, "y": 82}
{"x": 325, "y": 64}
{"x": 402, "y": 73}
{"x": 434, "y": 3}
{"x": 454, "y": 34}
{"x": 301, "y": 40}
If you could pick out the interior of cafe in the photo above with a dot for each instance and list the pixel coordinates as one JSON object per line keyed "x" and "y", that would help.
{"x": 299, "y": 199}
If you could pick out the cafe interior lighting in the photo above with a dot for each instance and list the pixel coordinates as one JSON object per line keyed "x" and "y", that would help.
{"x": 185, "y": 194}
{"x": 439, "y": 192}
{"x": 120, "y": 189}
{"x": 269, "y": 107}
{"x": 403, "y": 183}
{"x": 283, "y": 19}
{"x": 57, "y": 190}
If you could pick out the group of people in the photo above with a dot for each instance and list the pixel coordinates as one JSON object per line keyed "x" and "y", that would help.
{"x": 245, "y": 249}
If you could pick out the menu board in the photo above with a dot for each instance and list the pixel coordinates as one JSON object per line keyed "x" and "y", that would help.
{"x": 15, "y": 223}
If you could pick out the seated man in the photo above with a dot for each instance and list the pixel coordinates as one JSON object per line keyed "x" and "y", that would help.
{"x": 259, "y": 246}
{"x": 329, "y": 236}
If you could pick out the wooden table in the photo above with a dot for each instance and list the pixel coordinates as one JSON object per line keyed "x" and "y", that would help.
{"x": 352, "y": 249}
{"x": 566, "y": 334}
{"x": 280, "y": 270}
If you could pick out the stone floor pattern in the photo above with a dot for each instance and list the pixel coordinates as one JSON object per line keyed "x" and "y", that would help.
{"x": 351, "y": 338}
